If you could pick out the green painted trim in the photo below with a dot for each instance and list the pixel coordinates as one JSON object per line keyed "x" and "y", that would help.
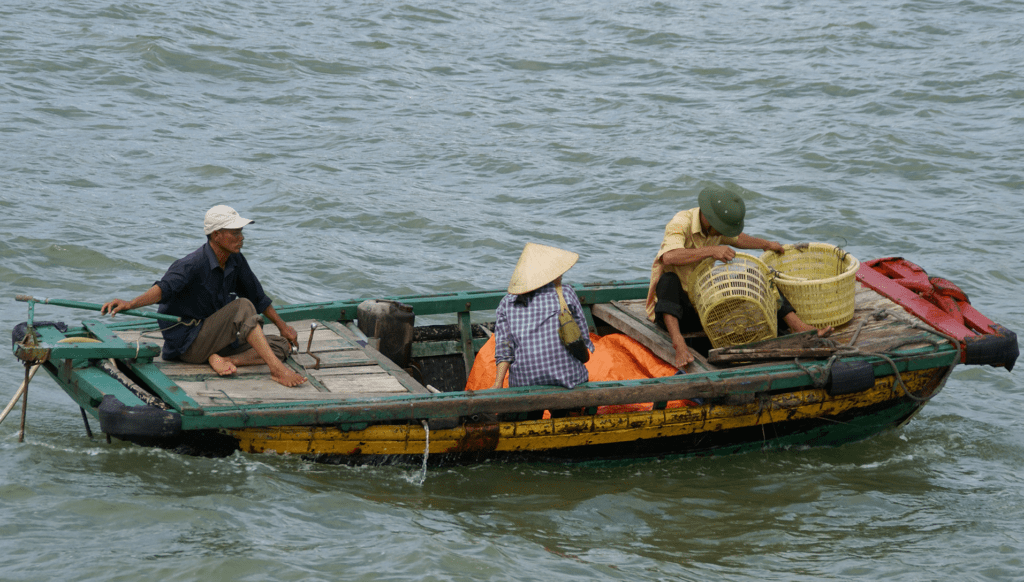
{"x": 166, "y": 389}
{"x": 588, "y": 314}
{"x": 457, "y": 302}
{"x": 111, "y": 346}
{"x": 87, "y": 386}
{"x": 466, "y": 343}
{"x": 443, "y": 348}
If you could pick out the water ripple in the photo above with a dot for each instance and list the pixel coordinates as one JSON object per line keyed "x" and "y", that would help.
{"x": 404, "y": 148}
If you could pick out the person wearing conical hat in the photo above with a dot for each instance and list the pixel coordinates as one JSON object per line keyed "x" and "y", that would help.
{"x": 527, "y": 344}
{"x": 708, "y": 232}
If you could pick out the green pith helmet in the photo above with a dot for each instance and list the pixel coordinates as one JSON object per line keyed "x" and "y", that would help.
{"x": 723, "y": 209}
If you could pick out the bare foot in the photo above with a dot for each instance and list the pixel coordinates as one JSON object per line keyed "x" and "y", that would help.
{"x": 683, "y": 356}
{"x": 285, "y": 376}
{"x": 797, "y": 325}
{"x": 222, "y": 366}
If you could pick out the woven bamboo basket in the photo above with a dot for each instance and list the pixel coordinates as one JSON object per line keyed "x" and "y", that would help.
{"x": 735, "y": 300}
{"x": 819, "y": 279}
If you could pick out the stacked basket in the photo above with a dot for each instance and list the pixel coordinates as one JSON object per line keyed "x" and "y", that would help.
{"x": 818, "y": 279}
{"x": 735, "y": 300}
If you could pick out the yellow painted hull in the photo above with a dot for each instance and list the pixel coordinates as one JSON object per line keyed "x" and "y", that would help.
{"x": 618, "y": 434}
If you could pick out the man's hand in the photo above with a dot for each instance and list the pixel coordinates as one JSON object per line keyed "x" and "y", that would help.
{"x": 151, "y": 296}
{"x": 288, "y": 333}
{"x": 114, "y": 306}
{"x": 722, "y": 253}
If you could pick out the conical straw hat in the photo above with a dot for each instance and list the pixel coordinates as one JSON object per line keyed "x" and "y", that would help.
{"x": 538, "y": 266}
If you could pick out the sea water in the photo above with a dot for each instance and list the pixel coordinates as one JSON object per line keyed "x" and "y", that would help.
{"x": 394, "y": 148}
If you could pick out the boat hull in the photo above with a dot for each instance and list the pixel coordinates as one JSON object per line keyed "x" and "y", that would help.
{"x": 800, "y": 418}
{"x": 872, "y": 374}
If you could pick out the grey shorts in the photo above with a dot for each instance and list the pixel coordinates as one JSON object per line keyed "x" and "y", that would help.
{"x": 224, "y": 333}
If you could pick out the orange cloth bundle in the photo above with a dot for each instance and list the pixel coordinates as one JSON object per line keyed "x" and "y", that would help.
{"x": 616, "y": 357}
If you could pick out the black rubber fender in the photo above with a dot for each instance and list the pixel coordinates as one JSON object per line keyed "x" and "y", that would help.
{"x": 21, "y": 330}
{"x": 850, "y": 377}
{"x": 1000, "y": 349}
{"x": 135, "y": 422}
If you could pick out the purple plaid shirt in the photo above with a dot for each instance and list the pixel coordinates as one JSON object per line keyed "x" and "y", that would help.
{"x": 528, "y": 338}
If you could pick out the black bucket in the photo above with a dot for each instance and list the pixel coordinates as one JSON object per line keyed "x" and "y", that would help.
{"x": 392, "y": 323}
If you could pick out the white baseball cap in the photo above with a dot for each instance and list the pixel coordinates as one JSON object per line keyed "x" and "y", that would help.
{"x": 221, "y": 217}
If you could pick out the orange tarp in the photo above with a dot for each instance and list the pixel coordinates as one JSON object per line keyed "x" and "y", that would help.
{"x": 616, "y": 357}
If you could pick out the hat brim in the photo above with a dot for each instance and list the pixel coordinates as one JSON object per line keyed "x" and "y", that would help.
{"x": 707, "y": 208}
{"x": 539, "y": 265}
{"x": 237, "y": 222}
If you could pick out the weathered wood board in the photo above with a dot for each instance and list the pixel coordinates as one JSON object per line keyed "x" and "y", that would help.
{"x": 630, "y": 317}
{"x": 347, "y": 369}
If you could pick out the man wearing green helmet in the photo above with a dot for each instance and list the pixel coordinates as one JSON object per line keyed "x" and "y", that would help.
{"x": 692, "y": 236}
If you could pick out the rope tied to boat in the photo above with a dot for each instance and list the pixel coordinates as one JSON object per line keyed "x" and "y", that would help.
{"x": 110, "y": 367}
{"x": 22, "y": 394}
{"x": 824, "y": 373}
{"x": 245, "y": 415}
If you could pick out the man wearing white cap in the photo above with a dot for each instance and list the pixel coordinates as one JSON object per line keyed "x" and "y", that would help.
{"x": 220, "y": 300}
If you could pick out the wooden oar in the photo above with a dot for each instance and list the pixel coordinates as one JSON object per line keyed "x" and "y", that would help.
{"x": 98, "y": 307}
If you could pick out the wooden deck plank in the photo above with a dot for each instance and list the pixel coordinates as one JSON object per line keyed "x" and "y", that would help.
{"x": 302, "y": 328}
{"x": 894, "y": 328}
{"x": 226, "y": 391}
{"x": 363, "y": 383}
{"x": 217, "y": 399}
{"x": 249, "y": 386}
{"x": 353, "y": 371}
{"x": 184, "y": 370}
{"x": 324, "y": 339}
{"x": 630, "y": 318}
{"x": 335, "y": 359}
{"x": 348, "y": 370}
{"x": 352, "y": 380}
{"x": 220, "y": 394}
{"x": 392, "y": 368}
{"x": 232, "y": 392}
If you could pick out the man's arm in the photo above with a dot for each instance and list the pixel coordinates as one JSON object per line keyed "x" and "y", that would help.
{"x": 287, "y": 331}
{"x": 690, "y": 256}
{"x": 745, "y": 241}
{"x": 151, "y": 296}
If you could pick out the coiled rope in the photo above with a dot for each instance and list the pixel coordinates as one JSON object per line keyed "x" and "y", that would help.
{"x": 821, "y": 378}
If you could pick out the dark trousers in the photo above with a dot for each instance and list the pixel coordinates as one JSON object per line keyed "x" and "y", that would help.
{"x": 672, "y": 300}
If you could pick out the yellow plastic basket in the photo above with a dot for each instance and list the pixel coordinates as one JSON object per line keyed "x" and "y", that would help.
{"x": 735, "y": 300}
{"x": 819, "y": 279}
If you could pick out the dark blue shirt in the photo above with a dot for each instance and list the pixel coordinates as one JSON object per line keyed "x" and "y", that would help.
{"x": 195, "y": 287}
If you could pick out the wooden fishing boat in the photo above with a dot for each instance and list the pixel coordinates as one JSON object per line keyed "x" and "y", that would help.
{"x": 367, "y": 401}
